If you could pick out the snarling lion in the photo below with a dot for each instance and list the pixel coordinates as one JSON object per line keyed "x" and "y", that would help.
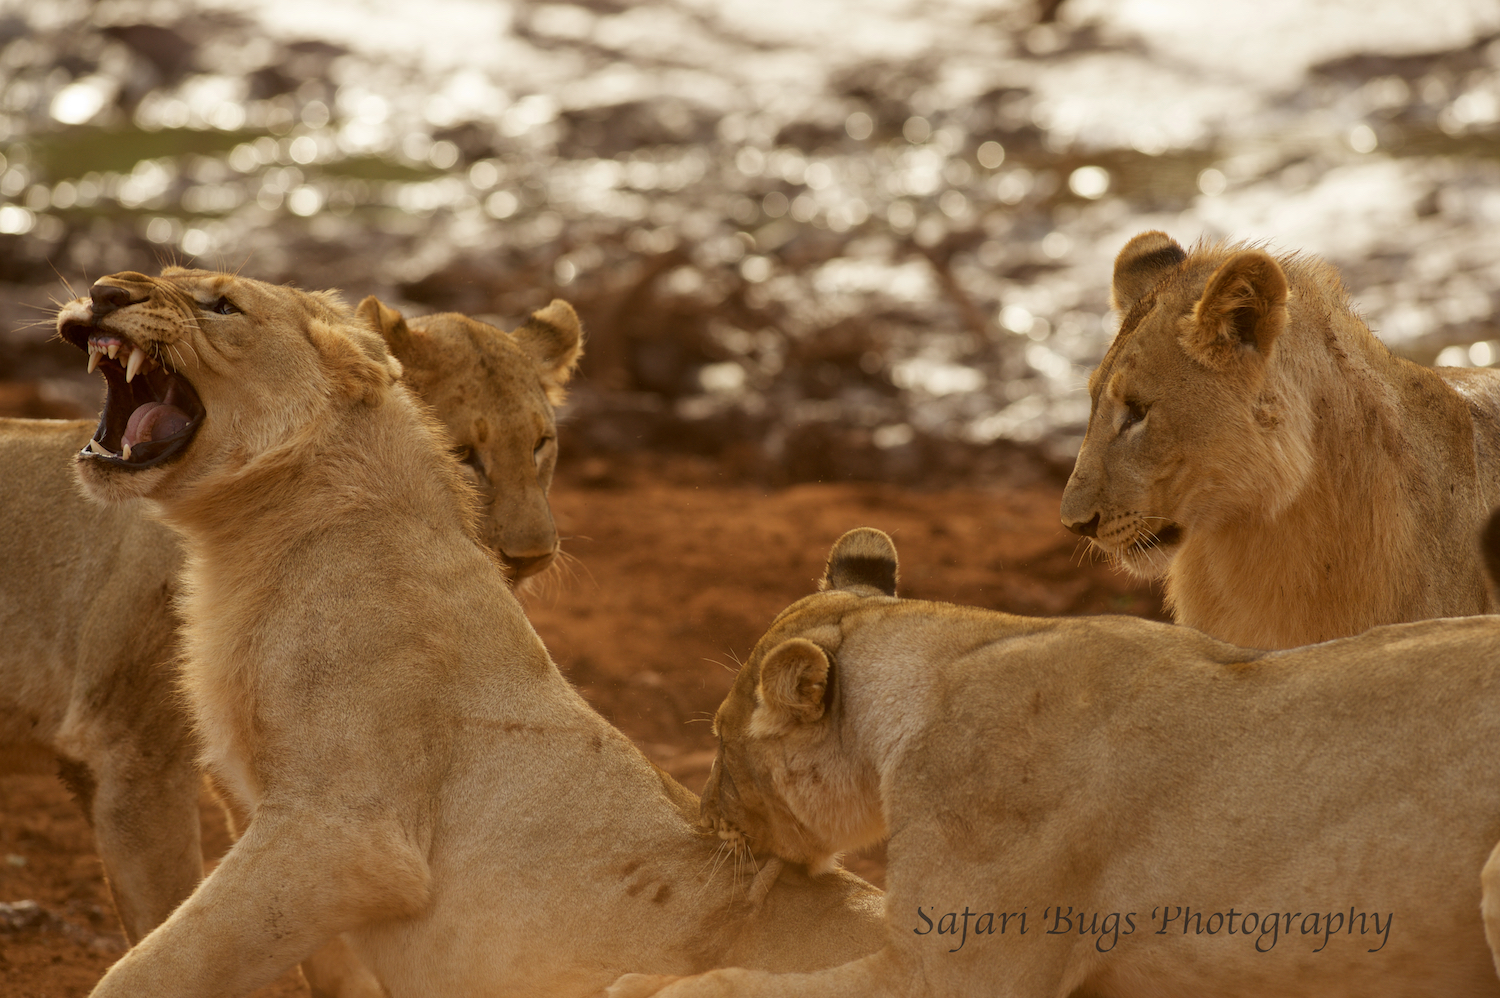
{"x": 1116, "y": 807}
{"x": 1254, "y": 443}
{"x": 87, "y": 667}
{"x": 417, "y": 774}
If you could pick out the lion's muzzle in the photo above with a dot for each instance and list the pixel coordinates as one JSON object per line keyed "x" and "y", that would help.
{"x": 151, "y": 412}
{"x": 1088, "y": 528}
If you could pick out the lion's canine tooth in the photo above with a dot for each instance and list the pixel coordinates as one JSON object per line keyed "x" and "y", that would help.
{"x": 114, "y": 350}
{"x": 93, "y": 357}
{"x": 125, "y": 449}
{"x": 99, "y": 448}
{"x": 133, "y": 366}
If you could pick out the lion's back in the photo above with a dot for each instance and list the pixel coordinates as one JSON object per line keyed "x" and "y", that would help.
{"x": 84, "y": 583}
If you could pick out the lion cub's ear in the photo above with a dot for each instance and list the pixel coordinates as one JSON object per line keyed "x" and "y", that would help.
{"x": 1141, "y": 265}
{"x": 389, "y": 323}
{"x": 863, "y": 559}
{"x": 553, "y": 337}
{"x": 1243, "y": 308}
{"x": 793, "y": 680}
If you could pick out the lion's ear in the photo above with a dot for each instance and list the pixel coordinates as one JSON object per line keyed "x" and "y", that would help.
{"x": 355, "y": 374}
{"x": 793, "y": 680}
{"x": 553, "y": 337}
{"x": 1141, "y": 265}
{"x": 863, "y": 559}
{"x": 389, "y": 323}
{"x": 1489, "y": 546}
{"x": 1243, "y": 307}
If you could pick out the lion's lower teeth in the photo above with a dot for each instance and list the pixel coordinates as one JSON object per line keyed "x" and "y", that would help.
{"x": 100, "y": 449}
{"x": 125, "y": 451}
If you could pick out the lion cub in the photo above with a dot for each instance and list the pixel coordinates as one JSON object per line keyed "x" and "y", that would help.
{"x": 418, "y": 775}
{"x": 1116, "y": 807}
{"x": 88, "y": 661}
{"x": 1253, "y": 443}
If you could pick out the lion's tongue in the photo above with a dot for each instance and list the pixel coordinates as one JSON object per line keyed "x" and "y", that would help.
{"x": 153, "y": 421}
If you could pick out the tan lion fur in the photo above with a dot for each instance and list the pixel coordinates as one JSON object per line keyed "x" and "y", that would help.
{"x": 87, "y": 665}
{"x": 1117, "y": 771}
{"x": 1252, "y": 442}
{"x": 418, "y": 774}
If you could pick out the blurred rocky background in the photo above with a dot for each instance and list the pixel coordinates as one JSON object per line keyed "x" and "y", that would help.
{"x": 810, "y": 239}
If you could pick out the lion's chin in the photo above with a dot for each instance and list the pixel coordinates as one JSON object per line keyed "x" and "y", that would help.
{"x": 151, "y": 412}
{"x": 818, "y": 866}
{"x": 108, "y": 482}
{"x": 1150, "y": 555}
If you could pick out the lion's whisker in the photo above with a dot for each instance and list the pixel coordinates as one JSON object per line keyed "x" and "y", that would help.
{"x": 573, "y": 562}
{"x": 71, "y": 293}
{"x": 725, "y": 852}
{"x": 196, "y": 362}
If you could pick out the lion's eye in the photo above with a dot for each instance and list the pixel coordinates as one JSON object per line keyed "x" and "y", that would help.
{"x": 467, "y": 455}
{"x": 1135, "y": 411}
{"x": 223, "y": 306}
{"x": 538, "y": 453}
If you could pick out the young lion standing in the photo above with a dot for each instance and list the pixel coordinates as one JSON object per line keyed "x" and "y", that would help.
{"x": 88, "y": 643}
{"x": 418, "y": 774}
{"x": 1254, "y": 443}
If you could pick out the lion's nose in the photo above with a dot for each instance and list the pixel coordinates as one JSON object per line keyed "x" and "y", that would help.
{"x": 1089, "y": 529}
{"x": 107, "y": 298}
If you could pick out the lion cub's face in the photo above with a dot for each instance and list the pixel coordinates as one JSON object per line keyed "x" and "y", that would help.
{"x": 786, "y": 779}
{"x": 203, "y": 368}
{"x": 494, "y": 392}
{"x": 1189, "y": 426}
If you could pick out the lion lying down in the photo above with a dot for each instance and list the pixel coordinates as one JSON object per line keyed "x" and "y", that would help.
{"x": 417, "y": 772}
{"x": 1115, "y": 807}
{"x": 87, "y": 665}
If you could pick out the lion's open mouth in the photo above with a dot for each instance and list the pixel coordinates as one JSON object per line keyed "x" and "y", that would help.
{"x": 725, "y": 831}
{"x": 1165, "y": 537}
{"x": 150, "y": 411}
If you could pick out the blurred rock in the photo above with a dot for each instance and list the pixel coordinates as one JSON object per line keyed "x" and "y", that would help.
{"x": 880, "y": 255}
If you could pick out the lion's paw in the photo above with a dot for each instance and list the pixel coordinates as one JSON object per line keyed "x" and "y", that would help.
{"x": 638, "y": 985}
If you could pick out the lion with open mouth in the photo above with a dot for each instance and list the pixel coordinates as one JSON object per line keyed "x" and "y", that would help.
{"x": 87, "y": 668}
{"x": 419, "y": 776}
{"x": 144, "y": 422}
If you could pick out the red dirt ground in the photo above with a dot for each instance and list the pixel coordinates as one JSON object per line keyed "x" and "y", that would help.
{"x": 672, "y": 576}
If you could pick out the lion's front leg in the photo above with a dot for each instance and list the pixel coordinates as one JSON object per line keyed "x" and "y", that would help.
{"x": 335, "y": 972}
{"x": 1489, "y": 903}
{"x": 882, "y": 974}
{"x": 145, "y": 821}
{"x": 292, "y": 883}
